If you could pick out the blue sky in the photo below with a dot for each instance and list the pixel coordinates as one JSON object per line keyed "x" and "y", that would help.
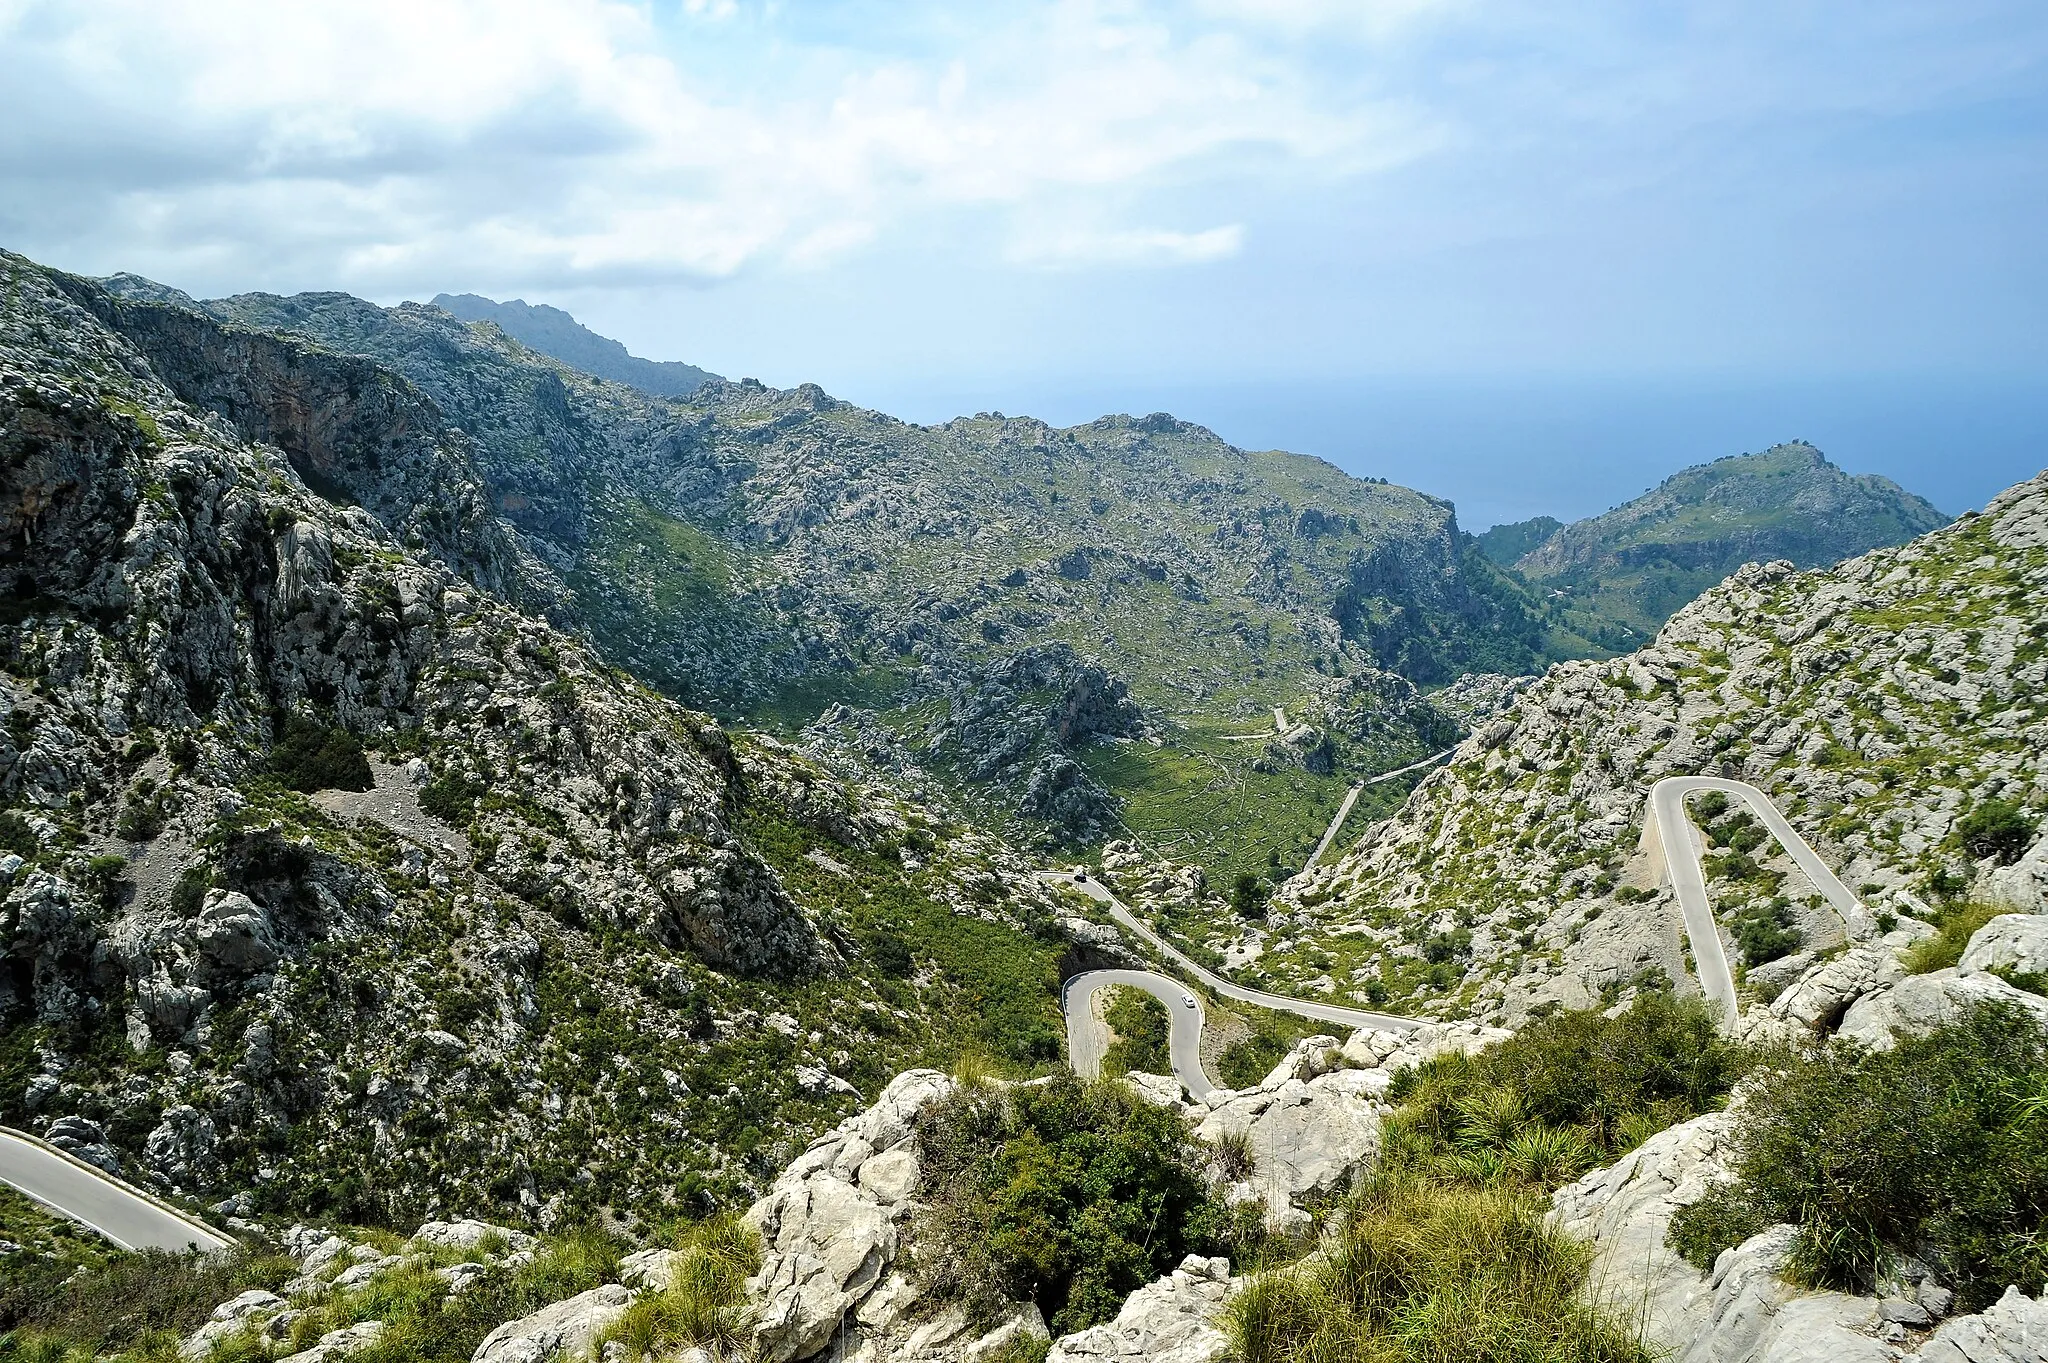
{"x": 1528, "y": 256}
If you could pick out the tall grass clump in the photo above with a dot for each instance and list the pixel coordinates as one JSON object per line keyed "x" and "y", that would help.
{"x": 1428, "y": 1272}
{"x": 1955, "y": 927}
{"x": 704, "y": 1303}
{"x": 1937, "y": 1149}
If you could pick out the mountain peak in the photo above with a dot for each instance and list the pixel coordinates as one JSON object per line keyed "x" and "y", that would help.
{"x": 559, "y": 335}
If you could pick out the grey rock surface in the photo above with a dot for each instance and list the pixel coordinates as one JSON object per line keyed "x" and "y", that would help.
{"x": 2016, "y": 942}
{"x": 1174, "y": 1320}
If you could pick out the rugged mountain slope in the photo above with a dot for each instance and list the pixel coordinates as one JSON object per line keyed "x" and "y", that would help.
{"x": 1619, "y": 576}
{"x": 555, "y": 333}
{"x": 770, "y": 554}
{"x": 1879, "y": 702}
{"x": 552, "y": 943}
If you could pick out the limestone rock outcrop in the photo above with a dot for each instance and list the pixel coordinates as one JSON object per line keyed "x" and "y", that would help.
{"x": 832, "y": 1225}
{"x": 1173, "y": 1320}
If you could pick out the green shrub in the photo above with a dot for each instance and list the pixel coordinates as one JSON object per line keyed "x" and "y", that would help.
{"x": 452, "y": 799}
{"x": 120, "y": 1303}
{"x": 1956, "y": 926}
{"x": 1142, "y": 1029}
{"x": 1244, "y": 1063}
{"x": 1425, "y": 1271}
{"x": 1247, "y": 896}
{"x": 1068, "y": 1194}
{"x": 310, "y": 756}
{"x": 16, "y": 836}
{"x": 188, "y": 892}
{"x": 1936, "y": 1148}
{"x": 1582, "y": 1070}
{"x": 1998, "y": 829}
{"x": 1764, "y": 932}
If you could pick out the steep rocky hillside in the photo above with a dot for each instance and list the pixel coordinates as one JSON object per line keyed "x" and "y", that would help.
{"x": 1619, "y": 576}
{"x": 771, "y": 554}
{"x": 335, "y": 875}
{"x": 556, "y": 334}
{"x": 1895, "y": 707}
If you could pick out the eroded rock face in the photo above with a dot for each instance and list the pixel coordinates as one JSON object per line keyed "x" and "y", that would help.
{"x": 2015, "y": 942}
{"x": 833, "y": 1223}
{"x": 1174, "y": 1320}
{"x": 1919, "y": 1003}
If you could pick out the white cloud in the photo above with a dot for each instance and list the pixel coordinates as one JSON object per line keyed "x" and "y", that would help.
{"x": 394, "y": 144}
{"x": 1130, "y": 246}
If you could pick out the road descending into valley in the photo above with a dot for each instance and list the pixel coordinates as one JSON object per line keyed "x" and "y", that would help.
{"x": 1668, "y": 836}
{"x": 128, "y": 1217}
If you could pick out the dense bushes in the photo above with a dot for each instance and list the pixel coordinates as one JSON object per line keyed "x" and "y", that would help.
{"x": 1564, "y": 1093}
{"x": 1998, "y": 829}
{"x": 1142, "y": 1030}
{"x": 311, "y": 756}
{"x": 1425, "y": 1271}
{"x": 1937, "y": 1148}
{"x": 1068, "y": 1194}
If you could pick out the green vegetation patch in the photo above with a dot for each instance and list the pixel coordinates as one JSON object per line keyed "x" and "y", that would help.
{"x": 1142, "y": 1028}
{"x": 1068, "y": 1194}
{"x": 73, "y": 1297}
{"x": 1565, "y": 1093}
{"x": 1936, "y": 1149}
{"x": 311, "y": 756}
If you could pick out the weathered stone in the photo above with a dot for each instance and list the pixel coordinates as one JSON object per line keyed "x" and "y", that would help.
{"x": 563, "y": 1329}
{"x": 1173, "y": 1320}
{"x": 1919, "y": 1003}
{"x": 2016, "y": 942}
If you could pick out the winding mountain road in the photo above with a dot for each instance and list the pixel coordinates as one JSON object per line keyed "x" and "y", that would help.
{"x": 128, "y": 1217}
{"x": 1666, "y": 827}
{"x": 1088, "y": 1040}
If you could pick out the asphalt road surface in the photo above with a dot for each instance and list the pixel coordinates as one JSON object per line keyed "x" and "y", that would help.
{"x": 128, "y": 1218}
{"x": 1088, "y": 1039}
{"x": 1668, "y": 831}
{"x": 1316, "y": 1012}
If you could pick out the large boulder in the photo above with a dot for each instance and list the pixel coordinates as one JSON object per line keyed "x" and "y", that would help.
{"x": 1625, "y": 1210}
{"x": 1816, "y": 1001}
{"x": 1306, "y": 1139}
{"x": 566, "y": 1328}
{"x": 2014, "y": 1329}
{"x": 1920, "y": 1003}
{"x": 2015, "y": 942}
{"x": 234, "y": 932}
{"x": 1174, "y": 1320}
{"x": 2022, "y": 885}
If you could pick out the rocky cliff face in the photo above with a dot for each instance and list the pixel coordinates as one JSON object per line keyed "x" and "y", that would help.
{"x": 512, "y": 958}
{"x": 1878, "y": 702}
{"x": 1619, "y": 576}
